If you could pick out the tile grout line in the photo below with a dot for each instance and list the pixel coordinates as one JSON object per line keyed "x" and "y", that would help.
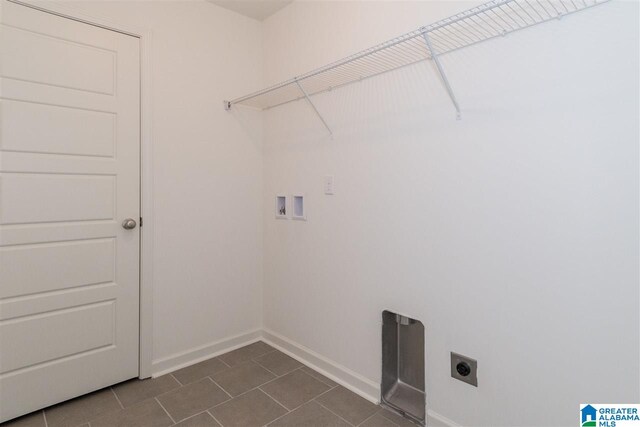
{"x": 191, "y": 416}
{"x": 301, "y": 368}
{"x": 275, "y": 400}
{"x": 302, "y": 404}
{"x": 254, "y": 359}
{"x": 278, "y": 402}
{"x": 331, "y": 387}
{"x": 268, "y": 370}
{"x": 320, "y": 403}
{"x": 164, "y": 409}
{"x": 245, "y": 392}
{"x": 221, "y": 388}
{"x": 320, "y": 379}
{"x": 117, "y": 398}
{"x": 265, "y": 383}
{"x": 163, "y": 393}
{"x": 311, "y": 376}
{"x": 213, "y": 416}
{"x": 180, "y": 385}
{"x": 263, "y": 354}
{"x": 273, "y": 350}
{"x": 263, "y": 366}
{"x": 322, "y": 394}
{"x": 276, "y": 419}
{"x": 223, "y": 362}
{"x": 401, "y": 417}
{"x": 174, "y": 377}
{"x": 268, "y": 352}
{"x": 250, "y": 358}
{"x": 386, "y": 409}
{"x": 228, "y": 400}
{"x": 302, "y": 365}
{"x": 288, "y": 411}
{"x": 230, "y": 367}
{"x": 373, "y": 415}
{"x": 299, "y": 406}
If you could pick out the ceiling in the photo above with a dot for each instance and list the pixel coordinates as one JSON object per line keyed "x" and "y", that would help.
{"x": 256, "y": 9}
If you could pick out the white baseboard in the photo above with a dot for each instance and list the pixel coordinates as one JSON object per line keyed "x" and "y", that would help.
{"x": 436, "y": 420}
{"x": 198, "y": 354}
{"x": 342, "y": 375}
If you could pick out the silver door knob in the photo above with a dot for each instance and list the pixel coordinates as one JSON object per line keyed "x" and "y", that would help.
{"x": 129, "y": 224}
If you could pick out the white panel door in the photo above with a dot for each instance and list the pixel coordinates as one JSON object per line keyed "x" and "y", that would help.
{"x": 69, "y": 176}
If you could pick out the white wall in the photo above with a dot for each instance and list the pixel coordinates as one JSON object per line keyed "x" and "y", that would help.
{"x": 207, "y": 173}
{"x": 512, "y": 234}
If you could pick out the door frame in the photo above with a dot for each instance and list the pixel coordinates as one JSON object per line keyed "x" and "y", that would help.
{"x": 145, "y": 348}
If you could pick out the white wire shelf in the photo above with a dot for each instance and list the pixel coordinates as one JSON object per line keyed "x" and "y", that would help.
{"x": 493, "y": 19}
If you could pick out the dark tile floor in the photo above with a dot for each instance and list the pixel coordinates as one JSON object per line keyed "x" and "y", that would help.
{"x": 255, "y": 385}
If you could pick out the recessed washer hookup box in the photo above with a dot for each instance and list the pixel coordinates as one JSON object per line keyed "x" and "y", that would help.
{"x": 402, "y": 388}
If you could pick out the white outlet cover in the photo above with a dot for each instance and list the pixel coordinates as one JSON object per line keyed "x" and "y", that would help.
{"x": 328, "y": 185}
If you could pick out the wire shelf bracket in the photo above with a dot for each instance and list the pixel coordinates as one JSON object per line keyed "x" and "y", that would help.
{"x": 306, "y": 95}
{"x": 445, "y": 80}
{"x": 497, "y": 18}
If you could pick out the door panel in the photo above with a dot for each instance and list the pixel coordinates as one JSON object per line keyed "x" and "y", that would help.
{"x": 59, "y": 333}
{"x": 45, "y": 197}
{"x": 52, "y": 266}
{"x": 69, "y": 176}
{"x": 95, "y": 138}
{"x": 92, "y": 65}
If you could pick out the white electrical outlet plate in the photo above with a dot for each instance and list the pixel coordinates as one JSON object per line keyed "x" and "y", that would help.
{"x": 328, "y": 184}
